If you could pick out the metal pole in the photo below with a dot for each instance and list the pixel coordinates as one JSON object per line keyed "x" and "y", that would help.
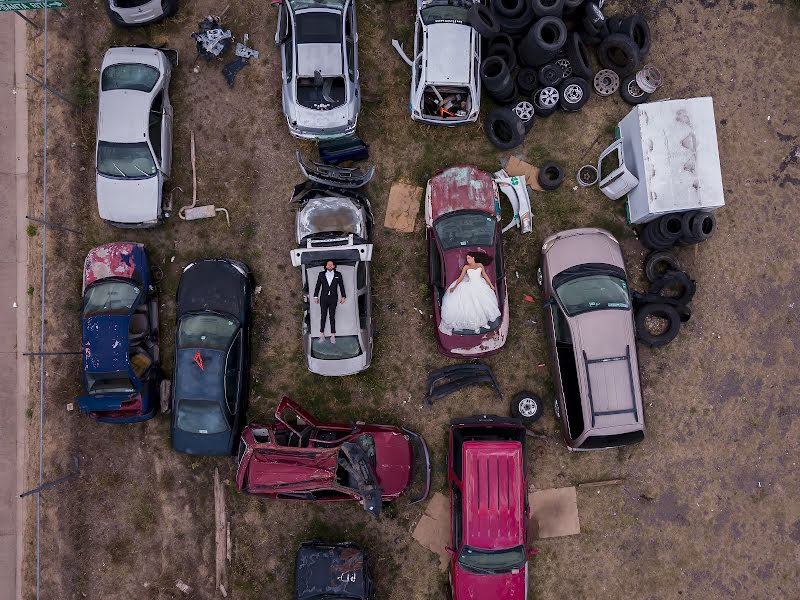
{"x": 49, "y": 353}
{"x": 29, "y": 21}
{"x": 53, "y": 225}
{"x": 49, "y": 89}
{"x": 50, "y": 484}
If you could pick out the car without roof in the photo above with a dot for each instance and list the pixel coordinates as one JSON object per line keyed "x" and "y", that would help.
{"x": 332, "y": 572}
{"x": 445, "y": 72}
{"x": 212, "y": 356}
{"x": 134, "y": 137}
{"x": 462, "y": 216}
{"x": 299, "y": 457}
{"x": 121, "y": 368}
{"x": 488, "y": 508}
{"x": 319, "y": 54}
{"x": 131, "y": 13}
{"x": 589, "y": 324}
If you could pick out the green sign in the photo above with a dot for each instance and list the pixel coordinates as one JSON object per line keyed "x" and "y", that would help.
{"x": 31, "y": 4}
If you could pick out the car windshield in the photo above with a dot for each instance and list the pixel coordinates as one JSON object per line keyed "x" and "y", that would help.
{"x": 109, "y": 383}
{"x": 346, "y": 346}
{"x": 141, "y": 78}
{"x": 110, "y": 298}
{"x": 316, "y": 27}
{"x": 125, "y": 161}
{"x": 466, "y": 229}
{"x": 201, "y": 416}
{"x": 300, "y": 4}
{"x": 593, "y": 292}
{"x": 444, "y": 13}
{"x": 206, "y": 331}
{"x": 495, "y": 561}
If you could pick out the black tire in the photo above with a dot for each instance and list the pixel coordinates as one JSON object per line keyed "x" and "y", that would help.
{"x": 541, "y": 110}
{"x": 578, "y": 56}
{"x": 636, "y": 28}
{"x": 504, "y": 129}
{"x": 483, "y": 20}
{"x": 551, "y": 176}
{"x": 527, "y": 80}
{"x": 651, "y": 238}
{"x": 686, "y": 227}
{"x": 509, "y": 8}
{"x": 527, "y": 407}
{"x": 631, "y": 92}
{"x": 663, "y": 311}
{"x": 703, "y": 225}
{"x": 547, "y": 8}
{"x": 505, "y": 97}
{"x": 518, "y": 25}
{"x": 551, "y": 75}
{"x": 496, "y": 76}
{"x": 570, "y": 6}
{"x": 501, "y": 38}
{"x": 613, "y": 24}
{"x": 574, "y": 92}
{"x": 505, "y": 52}
{"x": 523, "y": 108}
{"x": 670, "y": 226}
{"x": 658, "y": 263}
{"x": 540, "y": 45}
{"x": 619, "y": 53}
{"x": 679, "y": 280}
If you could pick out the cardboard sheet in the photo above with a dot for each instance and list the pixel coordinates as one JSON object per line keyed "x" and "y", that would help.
{"x": 433, "y": 529}
{"x": 519, "y": 167}
{"x": 554, "y": 513}
{"x": 401, "y": 212}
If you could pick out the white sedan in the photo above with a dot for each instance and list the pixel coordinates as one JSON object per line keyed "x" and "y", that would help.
{"x": 134, "y": 137}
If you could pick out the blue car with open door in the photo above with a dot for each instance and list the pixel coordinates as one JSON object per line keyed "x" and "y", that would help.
{"x": 122, "y": 377}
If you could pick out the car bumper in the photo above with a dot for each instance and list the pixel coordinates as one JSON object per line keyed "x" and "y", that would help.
{"x": 142, "y": 15}
{"x": 304, "y": 133}
{"x": 453, "y": 122}
{"x": 137, "y": 419}
{"x": 421, "y": 454}
{"x": 142, "y": 225}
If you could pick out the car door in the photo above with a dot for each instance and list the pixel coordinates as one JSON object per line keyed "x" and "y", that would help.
{"x": 283, "y": 38}
{"x": 166, "y": 136}
{"x": 233, "y": 379}
{"x": 565, "y": 371}
{"x": 436, "y": 274}
{"x": 351, "y": 45}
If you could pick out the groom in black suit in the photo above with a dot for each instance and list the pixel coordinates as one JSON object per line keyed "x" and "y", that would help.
{"x": 329, "y": 282}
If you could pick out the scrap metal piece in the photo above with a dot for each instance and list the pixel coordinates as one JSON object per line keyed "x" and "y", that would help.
{"x": 211, "y": 39}
{"x": 649, "y": 79}
{"x": 343, "y": 177}
{"x": 587, "y": 175}
{"x": 443, "y": 382}
{"x": 245, "y": 52}
{"x": 606, "y": 82}
{"x": 232, "y": 68}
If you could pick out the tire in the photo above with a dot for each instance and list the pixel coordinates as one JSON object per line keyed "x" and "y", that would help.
{"x": 539, "y": 46}
{"x": 496, "y": 76}
{"x": 524, "y": 110}
{"x": 664, "y": 311}
{"x": 527, "y": 407}
{"x": 506, "y": 97}
{"x": 551, "y": 176}
{"x": 527, "y": 80}
{"x": 636, "y": 28}
{"x": 506, "y": 53}
{"x": 670, "y": 226}
{"x": 631, "y": 92}
{"x": 651, "y": 238}
{"x": 546, "y": 108}
{"x": 658, "y": 263}
{"x": 504, "y": 129}
{"x": 619, "y": 53}
{"x": 578, "y": 56}
{"x": 483, "y": 20}
{"x": 614, "y": 24}
{"x": 672, "y": 279}
{"x": 703, "y": 225}
{"x": 686, "y": 227}
{"x": 518, "y": 25}
{"x": 502, "y": 39}
{"x": 547, "y": 8}
{"x": 550, "y": 75}
{"x": 574, "y": 93}
{"x": 509, "y": 8}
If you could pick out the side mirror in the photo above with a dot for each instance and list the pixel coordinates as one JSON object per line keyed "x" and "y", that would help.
{"x": 532, "y": 551}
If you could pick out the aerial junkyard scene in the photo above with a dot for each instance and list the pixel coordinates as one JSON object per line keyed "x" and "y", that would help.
{"x": 391, "y": 299}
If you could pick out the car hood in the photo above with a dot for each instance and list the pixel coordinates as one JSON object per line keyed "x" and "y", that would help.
{"x": 476, "y": 586}
{"x": 578, "y": 248}
{"x": 394, "y": 461}
{"x": 447, "y": 52}
{"x": 327, "y": 569}
{"x": 461, "y": 187}
{"x": 203, "y": 444}
{"x": 128, "y": 200}
{"x": 321, "y": 122}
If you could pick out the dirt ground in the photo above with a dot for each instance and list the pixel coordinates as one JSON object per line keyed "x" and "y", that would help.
{"x": 709, "y": 507}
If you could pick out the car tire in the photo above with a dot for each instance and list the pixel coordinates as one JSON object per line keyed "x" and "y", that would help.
{"x": 550, "y": 75}
{"x": 651, "y": 238}
{"x": 539, "y": 277}
{"x": 516, "y": 26}
{"x": 574, "y": 93}
{"x": 670, "y": 226}
{"x": 636, "y": 28}
{"x": 527, "y": 407}
{"x": 675, "y": 279}
{"x": 545, "y": 101}
{"x": 504, "y": 129}
{"x": 501, "y": 38}
{"x": 578, "y": 56}
{"x": 703, "y": 225}
{"x": 483, "y": 20}
{"x": 509, "y": 8}
{"x": 551, "y": 176}
{"x": 527, "y": 81}
{"x": 172, "y": 8}
{"x": 524, "y": 110}
{"x": 505, "y": 52}
{"x": 686, "y": 227}
{"x": 663, "y": 311}
{"x": 547, "y": 8}
{"x": 631, "y": 92}
{"x": 496, "y": 77}
{"x": 540, "y": 45}
{"x": 613, "y": 24}
{"x": 658, "y": 263}
{"x": 619, "y": 53}
{"x": 557, "y": 409}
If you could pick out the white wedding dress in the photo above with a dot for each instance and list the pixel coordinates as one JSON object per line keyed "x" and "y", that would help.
{"x": 470, "y": 306}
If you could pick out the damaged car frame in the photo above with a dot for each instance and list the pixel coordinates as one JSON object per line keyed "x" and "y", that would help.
{"x": 299, "y": 457}
{"x": 332, "y": 571}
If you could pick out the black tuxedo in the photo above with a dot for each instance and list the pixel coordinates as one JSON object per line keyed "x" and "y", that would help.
{"x": 328, "y": 297}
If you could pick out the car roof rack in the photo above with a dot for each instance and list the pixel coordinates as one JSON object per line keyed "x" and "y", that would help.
{"x": 602, "y": 413}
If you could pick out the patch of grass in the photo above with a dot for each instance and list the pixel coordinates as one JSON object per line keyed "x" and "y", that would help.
{"x": 29, "y": 412}
{"x": 30, "y": 230}
{"x": 30, "y": 290}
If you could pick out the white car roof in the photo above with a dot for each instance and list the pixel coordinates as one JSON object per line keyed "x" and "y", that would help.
{"x": 448, "y": 53}
{"x": 325, "y": 58}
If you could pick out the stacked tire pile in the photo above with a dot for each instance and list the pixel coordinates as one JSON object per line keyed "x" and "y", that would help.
{"x": 536, "y": 58}
{"x": 660, "y": 311}
{"x": 678, "y": 229}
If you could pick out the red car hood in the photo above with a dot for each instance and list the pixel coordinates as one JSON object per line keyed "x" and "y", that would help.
{"x": 394, "y": 461}
{"x": 475, "y": 586}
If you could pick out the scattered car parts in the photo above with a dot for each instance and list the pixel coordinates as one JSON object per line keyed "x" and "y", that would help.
{"x": 527, "y": 407}
{"x": 332, "y": 571}
{"x": 606, "y": 82}
{"x": 447, "y": 380}
{"x": 551, "y": 176}
{"x": 587, "y": 175}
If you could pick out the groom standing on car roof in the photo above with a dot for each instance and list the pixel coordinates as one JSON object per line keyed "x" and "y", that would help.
{"x": 330, "y": 282}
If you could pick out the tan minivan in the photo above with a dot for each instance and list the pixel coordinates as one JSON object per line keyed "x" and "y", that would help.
{"x": 589, "y": 322}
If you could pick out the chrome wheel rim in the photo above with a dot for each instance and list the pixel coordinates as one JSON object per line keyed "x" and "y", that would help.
{"x": 548, "y": 97}
{"x": 606, "y": 82}
{"x": 634, "y": 90}
{"x": 528, "y": 407}
{"x": 524, "y": 110}
{"x": 573, "y": 93}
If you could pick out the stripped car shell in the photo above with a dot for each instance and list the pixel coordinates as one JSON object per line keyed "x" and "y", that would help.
{"x": 121, "y": 368}
{"x": 332, "y": 571}
{"x": 468, "y": 194}
{"x": 301, "y": 458}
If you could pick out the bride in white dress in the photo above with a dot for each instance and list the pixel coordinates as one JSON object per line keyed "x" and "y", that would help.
{"x": 470, "y": 303}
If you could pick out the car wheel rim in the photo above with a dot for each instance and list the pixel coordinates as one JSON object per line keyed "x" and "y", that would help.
{"x": 566, "y": 67}
{"x": 634, "y": 90}
{"x": 606, "y": 82}
{"x": 528, "y": 407}
{"x": 539, "y": 277}
{"x": 573, "y": 93}
{"x": 524, "y": 110}
{"x": 548, "y": 97}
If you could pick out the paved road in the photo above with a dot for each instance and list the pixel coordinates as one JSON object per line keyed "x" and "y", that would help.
{"x": 13, "y": 296}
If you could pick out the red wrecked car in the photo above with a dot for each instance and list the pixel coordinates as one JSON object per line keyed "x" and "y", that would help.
{"x": 300, "y": 458}
{"x": 488, "y": 509}
{"x": 462, "y": 216}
